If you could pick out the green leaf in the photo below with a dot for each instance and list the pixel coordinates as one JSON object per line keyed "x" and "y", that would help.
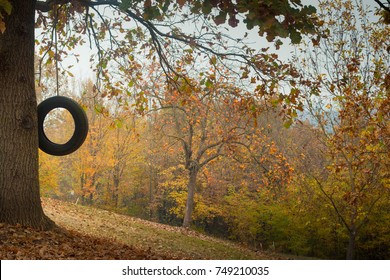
{"x": 209, "y": 83}
{"x": 6, "y": 6}
{"x": 152, "y": 12}
{"x": 206, "y": 8}
{"x": 295, "y": 37}
{"x": 118, "y": 123}
{"x": 124, "y": 5}
{"x": 288, "y": 123}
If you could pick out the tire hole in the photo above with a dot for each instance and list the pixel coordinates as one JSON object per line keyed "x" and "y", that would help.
{"x": 59, "y": 125}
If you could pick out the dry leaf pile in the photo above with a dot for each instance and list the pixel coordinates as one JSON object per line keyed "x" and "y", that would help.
{"x": 19, "y": 242}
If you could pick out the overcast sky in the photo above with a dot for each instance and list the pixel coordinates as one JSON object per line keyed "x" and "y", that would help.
{"x": 82, "y": 70}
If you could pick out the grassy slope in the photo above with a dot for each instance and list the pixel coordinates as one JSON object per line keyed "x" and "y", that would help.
{"x": 158, "y": 239}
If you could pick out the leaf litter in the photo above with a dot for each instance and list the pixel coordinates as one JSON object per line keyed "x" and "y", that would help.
{"x": 90, "y": 233}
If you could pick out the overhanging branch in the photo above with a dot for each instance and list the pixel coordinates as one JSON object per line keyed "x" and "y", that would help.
{"x": 157, "y": 34}
{"x": 46, "y": 6}
{"x": 383, "y": 6}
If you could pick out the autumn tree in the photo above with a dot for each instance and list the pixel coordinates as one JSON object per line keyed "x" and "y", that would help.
{"x": 89, "y": 163}
{"x": 256, "y": 176}
{"x": 198, "y": 120}
{"x": 122, "y": 139}
{"x": 349, "y": 70}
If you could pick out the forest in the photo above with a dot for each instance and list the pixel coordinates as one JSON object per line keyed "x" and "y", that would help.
{"x": 305, "y": 172}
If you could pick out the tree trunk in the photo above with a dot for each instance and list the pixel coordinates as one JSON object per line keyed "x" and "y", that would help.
{"x": 115, "y": 194}
{"x": 351, "y": 245}
{"x": 190, "y": 197}
{"x": 19, "y": 186}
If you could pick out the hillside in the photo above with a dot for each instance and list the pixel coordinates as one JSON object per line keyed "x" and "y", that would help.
{"x": 90, "y": 233}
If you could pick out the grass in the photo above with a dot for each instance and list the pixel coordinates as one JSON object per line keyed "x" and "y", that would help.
{"x": 163, "y": 240}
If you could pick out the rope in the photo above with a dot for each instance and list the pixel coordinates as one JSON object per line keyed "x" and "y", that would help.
{"x": 56, "y": 51}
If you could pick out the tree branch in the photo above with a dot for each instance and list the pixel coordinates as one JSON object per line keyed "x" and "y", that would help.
{"x": 383, "y": 6}
{"x": 216, "y": 155}
{"x": 46, "y": 6}
{"x": 210, "y": 146}
{"x": 333, "y": 203}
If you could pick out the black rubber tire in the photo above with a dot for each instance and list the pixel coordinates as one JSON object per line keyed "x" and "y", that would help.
{"x": 80, "y": 122}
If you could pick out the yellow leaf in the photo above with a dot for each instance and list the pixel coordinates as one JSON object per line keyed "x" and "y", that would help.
{"x": 213, "y": 60}
{"x": 51, "y": 53}
{"x": 2, "y": 27}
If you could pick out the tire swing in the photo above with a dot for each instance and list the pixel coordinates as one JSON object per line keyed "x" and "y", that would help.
{"x": 80, "y": 126}
{"x": 79, "y": 117}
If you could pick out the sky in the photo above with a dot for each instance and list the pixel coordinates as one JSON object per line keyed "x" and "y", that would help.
{"x": 82, "y": 69}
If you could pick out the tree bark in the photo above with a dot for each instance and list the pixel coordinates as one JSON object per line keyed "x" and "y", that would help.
{"x": 19, "y": 185}
{"x": 351, "y": 246}
{"x": 351, "y": 243}
{"x": 190, "y": 197}
{"x": 115, "y": 194}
